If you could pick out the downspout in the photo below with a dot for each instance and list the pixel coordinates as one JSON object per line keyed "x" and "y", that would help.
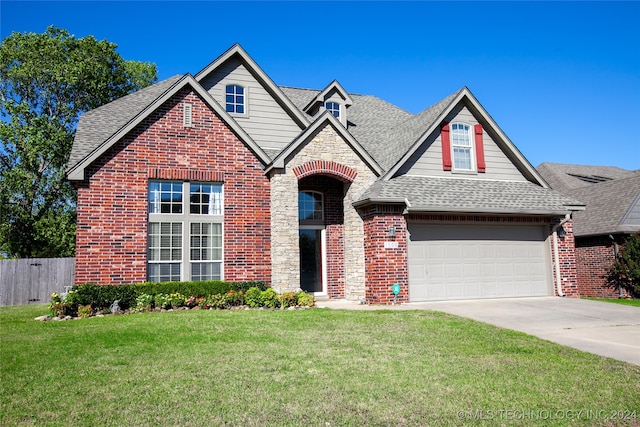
{"x": 556, "y": 256}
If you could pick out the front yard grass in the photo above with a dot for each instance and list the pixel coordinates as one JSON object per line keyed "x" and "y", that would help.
{"x": 315, "y": 367}
{"x": 623, "y": 301}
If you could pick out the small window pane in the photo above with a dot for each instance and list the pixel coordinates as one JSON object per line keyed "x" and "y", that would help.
{"x": 234, "y": 98}
{"x": 165, "y": 197}
{"x": 310, "y": 206}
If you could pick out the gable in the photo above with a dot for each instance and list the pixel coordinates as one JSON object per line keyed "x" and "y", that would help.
{"x": 427, "y": 161}
{"x": 265, "y": 120}
{"x": 340, "y": 142}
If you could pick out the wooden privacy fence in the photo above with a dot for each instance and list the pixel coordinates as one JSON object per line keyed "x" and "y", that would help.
{"x": 33, "y": 280}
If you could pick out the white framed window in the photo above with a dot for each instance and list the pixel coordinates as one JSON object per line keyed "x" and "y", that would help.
{"x": 185, "y": 232}
{"x": 310, "y": 206}
{"x": 235, "y": 97}
{"x": 334, "y": 108}
{"x": 462, "y": 146}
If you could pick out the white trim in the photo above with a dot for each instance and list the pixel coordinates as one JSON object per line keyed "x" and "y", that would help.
{"x": 471, "y": 147}
{"x": 323, "y": 255}
{"x": 186, "y": 218}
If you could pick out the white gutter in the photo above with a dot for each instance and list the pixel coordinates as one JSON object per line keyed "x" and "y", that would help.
{"x": 556, "y": 256}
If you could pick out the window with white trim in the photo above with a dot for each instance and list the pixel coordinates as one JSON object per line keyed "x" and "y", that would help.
{"x": 235, "y": 99}
{"x": 185, "y": 239}
{"x": 334, "y": 108}
{"x": 462, "y": 146}
{"x": 310, "y": 206}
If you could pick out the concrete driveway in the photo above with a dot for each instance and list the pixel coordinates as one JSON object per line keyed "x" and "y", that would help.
{"x": 606, "y": 329}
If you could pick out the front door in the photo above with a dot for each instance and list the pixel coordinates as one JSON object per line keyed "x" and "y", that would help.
{"x": 311, "y": 260}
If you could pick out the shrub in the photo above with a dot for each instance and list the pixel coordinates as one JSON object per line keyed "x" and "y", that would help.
{"x": 234, "y": 298}
{"x": 625, "y": 271}
{"x": 177, "y": 300}
{"x": 85, "y": 311}
{"x": 269, "y": 298}
{"x": 217, "y": 301}
{"x": 191, "y": 301}
{"x": 100, "y": 296}
{"x": 253, "y": 297}
{"x": 162, "y": 301}
{"x": 305, "y": 299}
{"x": 288, "y": 299}
{"x": 58, "y": 307}
{"x": 144, "y": 302}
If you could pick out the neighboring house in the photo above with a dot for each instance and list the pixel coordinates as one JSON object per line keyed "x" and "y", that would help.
{"x": 225, "y": 175}
{"x": 612, "y": 198}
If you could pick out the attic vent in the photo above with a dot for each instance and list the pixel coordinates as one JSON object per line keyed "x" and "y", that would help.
{"x": 186, "y": 115}
{"x": 591, "y": 179}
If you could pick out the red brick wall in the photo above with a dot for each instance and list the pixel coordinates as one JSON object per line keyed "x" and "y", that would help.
{"x": 567, "y": 259}
{"x": 385, "y": 266}
{"x": 111, "y": 242}
{"x": 333, "y": 195}
{"x": 594, "y": 258}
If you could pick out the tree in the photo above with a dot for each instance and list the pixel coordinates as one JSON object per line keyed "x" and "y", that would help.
{"x": 46, "y": 82}
{"x": 625, "y": 271}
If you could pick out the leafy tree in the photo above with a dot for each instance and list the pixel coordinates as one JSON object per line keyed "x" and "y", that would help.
{"x": 625, "y": 271}
{"x": 46, "y": 82}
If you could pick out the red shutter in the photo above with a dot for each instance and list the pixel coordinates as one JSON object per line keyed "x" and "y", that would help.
{"x": 479, "y": 149}
{"x": 446, "y": 147}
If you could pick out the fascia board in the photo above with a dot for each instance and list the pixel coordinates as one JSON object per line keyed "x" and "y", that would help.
{"x": 382, "y": 201}
{"x": 427, "y": 209}
{"x": 523, "y": 162}
{"x": 253, "y": 67}
{"x": 466, "y": 93}
{"x": 416, "y": 145}
{"x": 320, "y": 97}
{"x": 279, "y": 161}
{"x": 77, "y": 172}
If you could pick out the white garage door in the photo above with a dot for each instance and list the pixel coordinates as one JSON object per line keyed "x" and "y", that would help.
{"x": 449, "y": 262}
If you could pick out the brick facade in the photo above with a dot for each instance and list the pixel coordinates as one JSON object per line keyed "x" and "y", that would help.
{"x": 567, "y": 261}
{"x": 386, "y": 265}
{"x": 111, "y": 242}
{"x": 594, "y": 258}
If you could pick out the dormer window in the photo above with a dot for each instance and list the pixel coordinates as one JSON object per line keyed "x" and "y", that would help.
{"x": 334, "y": 108}
{"x": 461, "y": 145}
{"x": 235, "y": 99}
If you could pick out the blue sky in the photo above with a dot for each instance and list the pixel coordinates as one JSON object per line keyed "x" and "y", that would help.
{"x": 562, "y": 79}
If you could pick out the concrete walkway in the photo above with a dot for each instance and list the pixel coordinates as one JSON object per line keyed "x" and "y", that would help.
{"x": 606, "y": 329}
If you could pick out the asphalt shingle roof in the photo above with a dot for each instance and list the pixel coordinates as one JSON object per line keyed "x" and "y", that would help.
{"x": 98, "y": 125}
{"x": 609, "y": 193}
{"x": 470, "y": 195}
{"x": 566, "y": 177}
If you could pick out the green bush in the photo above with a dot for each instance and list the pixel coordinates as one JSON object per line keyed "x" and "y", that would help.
{"x": 253, "y": 297}
{"x": 234, "y": 298}
{"x": 162, "y": 301}
{"x": 288, "y": 299}
{"x": 101, "y": 296}
{"x": 144, "y": 302}
{"x": 269, "y": 298}
{"x": 177, "y": 300}
{"x": 625, "y": 271}
{"x": 217, "y": 301}
{"x": 305, "y": 299}
{"x": 85, "y": 311}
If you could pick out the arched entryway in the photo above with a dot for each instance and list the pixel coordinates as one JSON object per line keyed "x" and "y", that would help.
{"x": 321, "y": 234}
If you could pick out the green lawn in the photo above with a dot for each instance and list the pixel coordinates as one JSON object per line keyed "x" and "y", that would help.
{"x": 315, "y": 367}
{"x": 632, "y": 302}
